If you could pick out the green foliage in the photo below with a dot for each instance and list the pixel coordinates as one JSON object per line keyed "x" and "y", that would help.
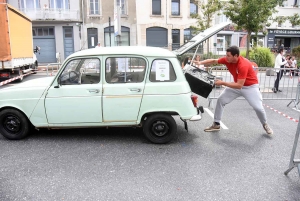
{"x": 280, "y": 2}
{"x": 207, "y": 10}
{"x": 250, "y": 15}
{"x": 294, "y": 19}
{"x": 296, "y": 52}
{"x": 262, "y": 56}
{"x": 280, "y": 19}
{"x": 209, "y": 56}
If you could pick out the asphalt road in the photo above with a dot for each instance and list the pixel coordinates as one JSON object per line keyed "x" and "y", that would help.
{"x": 238, "y": 163}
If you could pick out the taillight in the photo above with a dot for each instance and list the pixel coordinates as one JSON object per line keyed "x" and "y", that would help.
{"x": 4, "y": 74}
{"x": 195, "y": 100}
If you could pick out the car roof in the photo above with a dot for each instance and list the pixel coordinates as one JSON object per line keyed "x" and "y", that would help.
{"x": 125, "y": 50}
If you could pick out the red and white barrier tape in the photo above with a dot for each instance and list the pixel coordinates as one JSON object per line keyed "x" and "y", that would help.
{"x": 13, "y": 79}
{"x": 291, "y": 118}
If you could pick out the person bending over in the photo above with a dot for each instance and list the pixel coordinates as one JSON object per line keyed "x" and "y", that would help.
{"x": 245, "y": 84}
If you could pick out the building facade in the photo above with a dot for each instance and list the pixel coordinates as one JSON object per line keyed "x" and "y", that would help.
{"x": 61, "y": 27}
{"x": 283, "y": 33}
{"x": 277, "y": 34}
{"x": 100, "y": 18}
{"x": 164, "y": 23}
{"x": 54, "y": 26}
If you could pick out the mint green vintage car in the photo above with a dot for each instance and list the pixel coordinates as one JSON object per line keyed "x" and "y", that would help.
{"x": 104, "y": 87}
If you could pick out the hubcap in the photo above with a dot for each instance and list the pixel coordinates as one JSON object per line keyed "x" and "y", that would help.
{"x": 160, "y": 128}
{"x": 12, "y": 124}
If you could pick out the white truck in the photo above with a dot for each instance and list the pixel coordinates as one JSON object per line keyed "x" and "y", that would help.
{"x": 17, "y": 55}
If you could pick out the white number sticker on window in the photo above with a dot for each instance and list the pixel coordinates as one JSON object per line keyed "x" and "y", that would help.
{"x": 162, "y": 70}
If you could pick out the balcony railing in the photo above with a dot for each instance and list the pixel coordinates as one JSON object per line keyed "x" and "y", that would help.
{"x": 52, "y": 14}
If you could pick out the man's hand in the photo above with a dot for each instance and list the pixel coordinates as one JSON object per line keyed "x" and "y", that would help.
{"x": 238, "y": 85}
{"x": 218, "y": 82}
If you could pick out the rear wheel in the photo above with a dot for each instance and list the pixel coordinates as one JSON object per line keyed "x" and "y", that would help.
{"x": 34, "y": 68}
{"x": 21, "y": 75}
{"x": 160, "y": 128}
{"x": 14, "y": 125}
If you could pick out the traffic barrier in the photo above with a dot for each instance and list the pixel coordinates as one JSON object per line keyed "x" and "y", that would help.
{"x": 52, "y": 65}
{"x": 14, "y": 78}
{"x": 297, "y": 99}
{"x": 288, "y": 85}
{"x": 293, "y": 161}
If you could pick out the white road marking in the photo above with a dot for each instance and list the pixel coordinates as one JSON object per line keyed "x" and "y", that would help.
{"x": 295, "y": 109}
{"x": 212, "y": 115}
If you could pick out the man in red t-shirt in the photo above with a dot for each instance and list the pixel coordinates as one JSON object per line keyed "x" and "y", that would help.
{"x": 245, "y": 84}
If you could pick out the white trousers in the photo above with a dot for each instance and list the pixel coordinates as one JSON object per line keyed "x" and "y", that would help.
{"x": 250, "y": 93}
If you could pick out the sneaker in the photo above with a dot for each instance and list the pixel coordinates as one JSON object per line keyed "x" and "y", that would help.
{"x": 268, "y": 129}
{"x": 213, "y": 127}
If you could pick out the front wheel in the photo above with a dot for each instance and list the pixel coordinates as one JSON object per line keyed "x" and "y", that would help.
{"x": 13, "y": 124}
{"x": 160, "y": 128}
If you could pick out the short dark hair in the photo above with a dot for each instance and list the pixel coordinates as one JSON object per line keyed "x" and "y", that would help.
{"x": 280, "y": 50}
{"x": 186, "y": 60}
{"x": 234, "y": 50}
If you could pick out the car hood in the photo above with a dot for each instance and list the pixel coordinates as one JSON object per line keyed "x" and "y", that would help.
{"x": 201, "y": 37}
{"x": 39, "y": 82}
{"x": 29, "y": 90}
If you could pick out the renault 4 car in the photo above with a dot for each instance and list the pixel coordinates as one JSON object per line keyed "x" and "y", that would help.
{"x": 106, "y": 87}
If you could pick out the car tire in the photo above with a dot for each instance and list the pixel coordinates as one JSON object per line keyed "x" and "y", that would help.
{"x": 34, "y": 68}
{"x": 160, "y": 128}
{"x": 14, "y": 125}
{"x": 20, "y": 73}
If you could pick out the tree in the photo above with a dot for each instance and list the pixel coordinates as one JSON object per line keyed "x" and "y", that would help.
{"x": 294, "y": 19}
{"x": 280, "y": 2}
{"x": 249, "y": 15}
{"x": 207, "y": 10}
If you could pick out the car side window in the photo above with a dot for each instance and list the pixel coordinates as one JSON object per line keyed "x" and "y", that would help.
{"x": 125, "y": 69}
{"x": 162, "y": 71}
{"x": 81, "y": 71}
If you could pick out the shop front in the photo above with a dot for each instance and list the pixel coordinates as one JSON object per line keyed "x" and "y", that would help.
{"x": 283, "y": 38}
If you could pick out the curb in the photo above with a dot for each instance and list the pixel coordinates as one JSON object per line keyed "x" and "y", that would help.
{"x": 13, "y": 79}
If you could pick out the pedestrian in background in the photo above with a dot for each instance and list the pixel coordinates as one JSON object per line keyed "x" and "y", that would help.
{"x": 98, "y": 45}
{"x": 196, "y": 62}
{"x": 187, "y": 60}
{"x": 245, "y": 84}
{"x": 288, "y": 65}
{"x": 294, "y": 65}
{"x": 279, "y": 63}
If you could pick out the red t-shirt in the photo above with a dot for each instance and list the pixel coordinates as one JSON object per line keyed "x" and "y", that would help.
{"x": 243, "y": 69}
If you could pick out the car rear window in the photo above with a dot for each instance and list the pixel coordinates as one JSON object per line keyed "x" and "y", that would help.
{"x": 162, "y": 71}
{"x": 125, "y": 69}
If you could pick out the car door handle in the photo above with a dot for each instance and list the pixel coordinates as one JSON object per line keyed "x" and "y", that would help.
{"x": 94, "y": 90}
{"x": 135, "y": 89}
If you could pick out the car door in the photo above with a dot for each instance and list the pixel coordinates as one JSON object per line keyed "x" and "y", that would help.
{"x": 76, "y": 97}
{"x": 123, "y": 88}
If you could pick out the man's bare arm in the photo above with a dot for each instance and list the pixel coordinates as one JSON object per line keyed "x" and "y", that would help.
{"x": 208, "y": 62}
{"x": 238, "y": 85}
